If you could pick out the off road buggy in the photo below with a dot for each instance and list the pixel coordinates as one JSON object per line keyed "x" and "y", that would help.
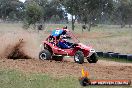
{"x": 51, "y": 50}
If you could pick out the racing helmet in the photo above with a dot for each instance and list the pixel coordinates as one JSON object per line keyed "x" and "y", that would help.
{"x": 65, "y": 27}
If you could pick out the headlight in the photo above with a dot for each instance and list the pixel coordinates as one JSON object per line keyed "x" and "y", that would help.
{"x": 92, "y": 50}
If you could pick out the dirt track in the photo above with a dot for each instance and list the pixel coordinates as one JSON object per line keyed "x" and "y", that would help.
{"x": 101, "y": 70}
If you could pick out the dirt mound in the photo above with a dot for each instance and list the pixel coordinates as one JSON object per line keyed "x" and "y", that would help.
{"x": 17, "y": 53}
{"x": 19, "y": 45}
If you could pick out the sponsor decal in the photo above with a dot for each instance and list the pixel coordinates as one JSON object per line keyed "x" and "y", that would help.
{"x": 86, "y": 81}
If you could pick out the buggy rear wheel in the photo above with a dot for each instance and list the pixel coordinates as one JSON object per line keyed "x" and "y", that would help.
{"x": 45, "y": 55}
{"x": 79, "y": 57}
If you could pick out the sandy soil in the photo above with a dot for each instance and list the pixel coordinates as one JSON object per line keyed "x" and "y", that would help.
{"x": 101, "y": 70}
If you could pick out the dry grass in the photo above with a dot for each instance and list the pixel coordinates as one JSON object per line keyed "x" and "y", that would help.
{"x": 102, "y": 38}
{"x": 121, "y": 44}
{"x": 108, "y": 38}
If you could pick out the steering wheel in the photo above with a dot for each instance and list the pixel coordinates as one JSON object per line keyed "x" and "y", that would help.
{"x": 74, "y": 45}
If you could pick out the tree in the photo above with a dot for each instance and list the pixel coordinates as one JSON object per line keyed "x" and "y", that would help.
{"x": 50, "y": 8}
{"x": 55, "y": 19}
{"x": 88, "y": 10}
{"x": 11, "y": 8}
{"x": 123, "y": 12}
{"x": 33, "y": 13}
{"x": 91, "y": 11}
{"x": 72, "y": 7}
{"x": 53, "y": 8}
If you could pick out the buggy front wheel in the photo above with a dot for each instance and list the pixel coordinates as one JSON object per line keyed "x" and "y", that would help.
{"x": 79, "y": 57}
{"x": 45, "y": 55}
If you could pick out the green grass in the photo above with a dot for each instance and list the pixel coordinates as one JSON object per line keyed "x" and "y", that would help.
{"x": 15, "y": 79}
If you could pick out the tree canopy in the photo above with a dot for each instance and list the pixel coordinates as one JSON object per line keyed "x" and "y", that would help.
{"x": 33, "y": 13}
{"x": 82, "y": 11}
{"x": 11, "y": 9}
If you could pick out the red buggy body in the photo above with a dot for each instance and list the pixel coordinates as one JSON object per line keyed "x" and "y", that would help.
{"x": 51, "y": 50}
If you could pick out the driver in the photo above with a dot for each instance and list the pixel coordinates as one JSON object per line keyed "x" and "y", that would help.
{"x": 62, "y": 43}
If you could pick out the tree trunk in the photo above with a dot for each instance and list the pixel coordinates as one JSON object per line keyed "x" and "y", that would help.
{"x": 73, "y": 22}
{"x": 84, "y": 26}
{"x": 89, "y": 28}
{"x": 122, "y": 25}
{"x": 129, "y": 25}
{"x": 82, "y": 29}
